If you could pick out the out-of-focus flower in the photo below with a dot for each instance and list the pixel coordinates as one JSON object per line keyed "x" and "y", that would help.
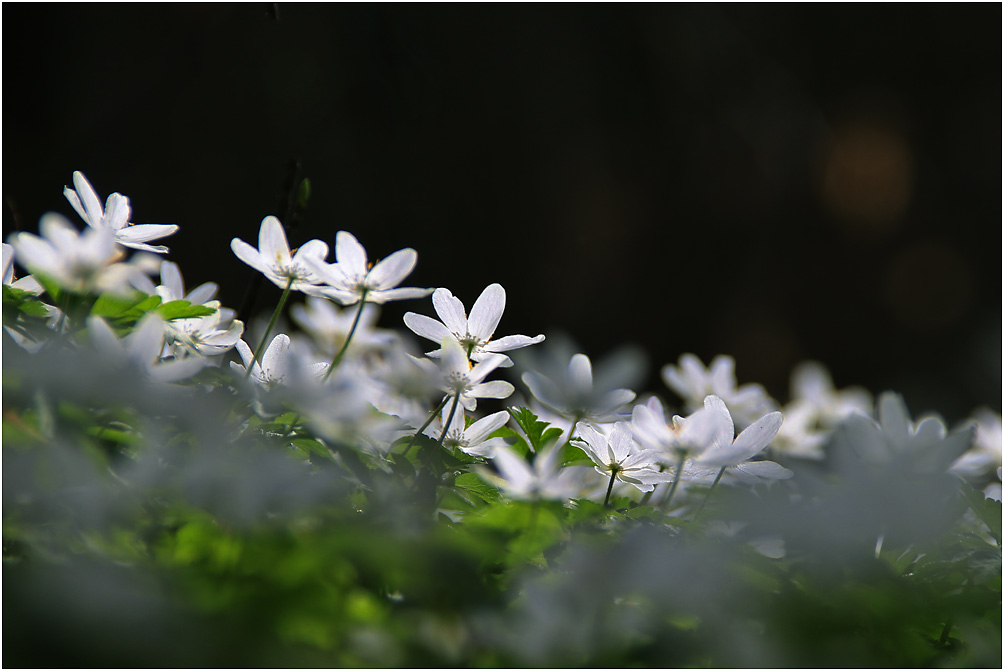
{"x": 473, "y": 439}
{"x": 689, "y": 435}
{"x": 114, "y": 217}
{"x": 142, "y": 349}
{"x": 275, "y": 364}
{"x": 985, "y": 455}
{"x": 545, "y": 479}
{"x": 80, "y": 263}
{"x": 575, "y": 397}
{"x": 272, "y": 258}
{"x": 620, "y": 457}
{"x": 815, "y": 409}
{"x": 734, "y": 454}
{"x": 475, "y": 333}
{"x": 351, "y": 279}
{"x": 329, "y": 326}
{"x": 693, "y": 383}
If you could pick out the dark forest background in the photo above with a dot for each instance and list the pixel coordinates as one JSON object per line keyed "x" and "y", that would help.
{"x": 775, "y": 182}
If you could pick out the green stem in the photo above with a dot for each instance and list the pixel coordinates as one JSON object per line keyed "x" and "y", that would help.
{"x": 681, "y": 457}
{"x": 268, "y": 329}
{"x": 435, "y": 413}
{"x": 610, "y": 488}
{"x": 345, "y": 345}
{"x": 714, "y": 484}
{"x": 453, "y": 411}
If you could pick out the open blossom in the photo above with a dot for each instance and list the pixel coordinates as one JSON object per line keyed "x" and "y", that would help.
{"x": 276, "y": 363}
{"x": 575, "y": 397}
{"x": 474, "y": 333}
{"x": 459, "y": 379}
{"x": 545, "y": 479}
{"x": 620, "y": 457}
{"x": 735, "y": 454}
{"x": 330, "y": 326}
{"x": 114, "y": 217}
{"x": 205, "y": 336}
{"x": 654, "y": 431}
{"x": 474, "y": 439}
{"x": 272, "y": 258}
{"x": 351, "y": 278}
{"x": 693, "y": 382}
{"x": 77, "y": 262}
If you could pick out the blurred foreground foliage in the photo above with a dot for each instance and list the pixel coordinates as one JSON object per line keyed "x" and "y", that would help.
{"x": 149, "y": 528}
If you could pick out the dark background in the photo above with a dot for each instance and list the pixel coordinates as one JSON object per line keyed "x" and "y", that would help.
{"x": 772, "y": 182}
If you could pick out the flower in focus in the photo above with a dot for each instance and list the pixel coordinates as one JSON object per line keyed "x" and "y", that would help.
{"x": 114, "y": 217}
{"x": 204, "y": 336}
{"x": 693, "y": 382}
{"x": 275, "y": 365}
{"x": 76, "y": 262}
{"x": 460, "y": 379}
{"x": 620, "y": 457}
{"x": 474, "y": 439}
{"x": 474, "y": 333}
{"x": 545, "y": 479}
{"x": 351, "y": 279}
{"x": 272, "y": 258}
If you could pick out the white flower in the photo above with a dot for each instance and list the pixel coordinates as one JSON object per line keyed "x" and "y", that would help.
{"x": 142, "y": 348}
{"x": 985, "y": 454}
{"x": 351, "y": 278}
{"x": 519, "y": 480}
{"x": 76, "y": 262}
{"x": 329, "y": 326}
{"x": 734, "y": 454}
{"x": 693, "y": 382}
{"x": 114, "y": 217}
{"x": 275, "y": 363}
{"x": 172, "y": 287}
{"x": 459, "y": 379}
{"x": 203, "y": 335}
{"x": 272, "y": 258}
{"x": 474, "y": 334}
{"x": 620, "y": 457}
{"x": 671, "y": 437}
{"x": 575, "y": 397}
{"x": 473, "y": 439}
{"x": 26, "y": 283}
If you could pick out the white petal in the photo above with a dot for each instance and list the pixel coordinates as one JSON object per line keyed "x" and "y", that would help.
{"x": 426, "y": 327}
{"x": 170, "y": 278}
{"x": 765, "y": 469}
{"x": 758, "y": 435}
{"x": 511, "y": 342}
{"x": 450, "y": 310}
{"x": 103, "y": 338}
{"x": 179, "y": 369}
{"x": 454, "y": 357}
{"x": 145, "y": 232}
{"x": 400, "y": 294}
{"x": 146, "y": 341}
{"x": 493, "y": 389}
{"x": 350, "y": 254}
{"x": 117, "y": 211}
{"x": 272, "y": 243}
{"x": 480, "y": 430}
{"x": 486, "y": 312}
{"x": 202, "y": 293}
{"x": 391, "y": 271}
{"x": 74, "y": 199}
{"x": 580, "y": 373}
{"x": 246, "y": 354}
{"x": 90, "y": 200}
{"x": 485, "y": 366}
{"x": 273, "y": 360}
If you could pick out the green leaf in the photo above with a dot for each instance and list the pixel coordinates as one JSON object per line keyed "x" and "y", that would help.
{"x": 113, "y": 306}
{"x": 475, "y": 485}
{"x": 313, "y": 447}
{"x": 536, "y": 431}
{"x": 183, "y": 310}
{"x": 25, "y": 301}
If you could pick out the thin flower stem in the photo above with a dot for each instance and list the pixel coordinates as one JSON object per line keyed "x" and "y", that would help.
{"x": 610, "y": 488}
{"x": 345, "y": 345}
{"x": 453, "y": 411}
{"x": 435, "y": 413}
{"x": 714, "y": 484}
{"x": 681, "y": 457}
{"x": 268, "y": 329}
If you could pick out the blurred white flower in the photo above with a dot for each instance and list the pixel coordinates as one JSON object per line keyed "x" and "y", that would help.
{"x": 733, "y": 453}
{"x": 275, "y": 363}
{"x": 575, "y": 397}
{"x": 141, "y": 348}
{"x": 475, "y": 333}
{"x": 351, "y": 278}
{"x": 329, "y": 326}
{"x": 80, "y": 263}
{"x": 693, "y": 383}
{"x": 985, "y": 455}
{"x": 272, "y": 258}
{"x": 114, "y": 217}
{"x": 545, "y": 479}
{"x": 670, "y": 437}
{"x": 620, "y": 457}
{"x": 459, "y": 378}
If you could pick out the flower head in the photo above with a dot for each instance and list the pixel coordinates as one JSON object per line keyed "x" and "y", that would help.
{"x": 272, "y": 258}
{"x": 545, "y": 479}
{"x": 474, "y": 439}
{"x": 620, "y": 457}
{"x": 474, "y": 333}
{"x": 575, "y": 397}
{"x": 142, "y": 349}
{"x": 734, "y": 454}
{"x": 460, "y": 379}
{"x": 275, "y": 363}
{"x": 693, "y": 382}
{"x": 351, "y": 279}
{"x": 114, "y": 217}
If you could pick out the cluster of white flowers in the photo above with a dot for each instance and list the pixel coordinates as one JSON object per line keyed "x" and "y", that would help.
{"x": 350, "y": 373}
